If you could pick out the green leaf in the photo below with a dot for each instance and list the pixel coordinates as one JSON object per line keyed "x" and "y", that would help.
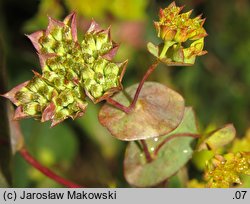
{"x": 171, "y": 157}
{"x": 159, "y": 110}
{"x": 153, "y": 49}
{"x": 156, "y": 51}
{"x": 200, "y": 158}
{"x": 218, "y": 138}
{"x": 178, "y": 180}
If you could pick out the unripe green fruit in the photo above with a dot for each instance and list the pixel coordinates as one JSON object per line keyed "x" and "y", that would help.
{"x": 87, "y": 73}
{"x": 96, "y": 90}
{"x": 32, "y": 108}
{"x": 111, "y": 68}
{"x": 88, "y": 83}
{"x": 57, "y": 34}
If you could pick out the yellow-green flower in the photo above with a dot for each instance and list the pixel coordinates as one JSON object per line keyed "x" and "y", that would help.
{"x": 183, "y": 37}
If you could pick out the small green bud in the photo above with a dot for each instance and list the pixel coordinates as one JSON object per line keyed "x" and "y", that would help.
{"x": 88, "y": 83}
{"x": 101, "y": 39}
{"x": 87, "y": 73}
{"x": 52, "y": 63}
{"x": 73, "y": 107}
{"x": 58, "y": 48}
{"x": 44, "y": 90}
{"x": 105, "y": 47}
{"x": 61, "y": 114}
{"x": 90, "y": 41}
{"x": 49, "y": 75}
{"x": 71, "y": 75}
{"x": 66, "y": 97}
{"x": 57, "y": 34}
{"x": 111, "y": 78}
{"x": 59, "y": 83}
{"x": 24, "y": 96}
{"x": 67, "y": 33}
{"x": 99, "y": 65}
{"x": 48, "y": 43}
{"x": 58, "y": 101}
{"x": 88, "y": 58}
{"x": 60, "y": 72}
{"x": 85, "y": 48}
{"x": 99, "y": 78}
{"x": 69, "y": 45}
{"x": 32, "y": 108}
{"x": 108, "y": 85}
{"x": 96, "y": 90}
{"x": 35, "y": 84}
{"x": 77, "y": 67}
{"x": 77, "y": 92}
{"x": 111, "y": 68}
{"x": 68, "y": 62}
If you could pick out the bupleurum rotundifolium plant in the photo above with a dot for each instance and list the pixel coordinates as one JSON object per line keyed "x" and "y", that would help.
{"x": 153, "y": 117}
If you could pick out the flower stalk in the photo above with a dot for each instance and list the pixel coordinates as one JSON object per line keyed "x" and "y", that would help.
{"x": 33, "y": 162}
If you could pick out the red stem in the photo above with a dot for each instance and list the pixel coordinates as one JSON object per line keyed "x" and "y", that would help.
{"x": 32, "y": 161}
{"x": 172, "y": 137}
{"x": 146, "y": 152}
{"x": 118, "y": 105}
{"x": 137, "y": 93}
{"x": 138, "y": 90}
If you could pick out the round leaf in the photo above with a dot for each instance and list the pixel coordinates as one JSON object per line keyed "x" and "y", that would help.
{"x": 171, "y": 157}
{"x": 158, "y": 111}
{"x": 218, "y": 138}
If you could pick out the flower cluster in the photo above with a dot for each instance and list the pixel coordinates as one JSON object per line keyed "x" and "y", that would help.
{"x": 223, "y": 172}
{"x": 183, "y": 36}
{"x": 71, "y": 71}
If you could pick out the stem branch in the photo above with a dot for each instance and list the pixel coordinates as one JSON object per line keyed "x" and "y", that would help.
{"x": 146, "y": 152}
{"x": 138, "y": 90}
{"x": 32, "y": 161}
{"x": 167, "y": 45}
{"x": 172, "y": 137}
{"x": 117, "y": 105}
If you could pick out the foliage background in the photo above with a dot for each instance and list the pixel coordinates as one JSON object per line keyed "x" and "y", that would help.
{"x": 217, "y": 86}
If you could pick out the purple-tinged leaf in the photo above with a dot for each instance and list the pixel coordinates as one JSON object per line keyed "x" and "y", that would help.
{"x": 48, "y": 112}
{"x": 34, "y": 38}
{"x": 159, "y": 110}
{"x": 53, "y": 24}
{"x": 111, "y": 54}
{"x": 43, "y": 58}
{"x": 218, "y": 138}
{"x": 94, "y": 27}
{"x": 11, "y": 94}
{"x": 70, "y": 20}
{"x": 168, "y": 157}
{"x": 19, "y": 114}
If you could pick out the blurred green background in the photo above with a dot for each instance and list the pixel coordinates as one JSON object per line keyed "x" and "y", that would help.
{"x": 217, "y": 86}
